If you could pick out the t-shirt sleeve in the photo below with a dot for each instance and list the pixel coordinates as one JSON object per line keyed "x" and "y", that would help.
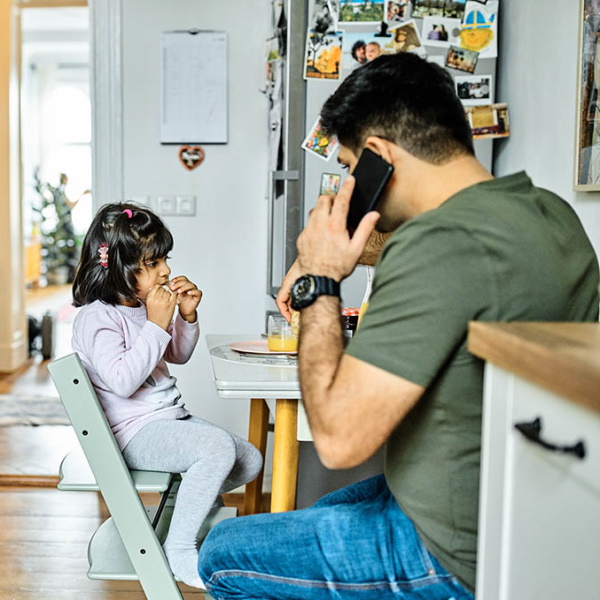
{"x": 429, "y": 282}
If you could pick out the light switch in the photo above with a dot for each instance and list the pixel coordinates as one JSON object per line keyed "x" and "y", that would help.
{"x": 186, "y": 205}
{"x": 166, "y": 205}
{"x": 144, "y": 200}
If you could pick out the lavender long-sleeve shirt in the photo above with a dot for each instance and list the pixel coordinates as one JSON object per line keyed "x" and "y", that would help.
{"x": 126, "y": 358}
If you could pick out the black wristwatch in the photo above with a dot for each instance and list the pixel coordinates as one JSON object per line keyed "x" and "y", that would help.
{"x": 308, "y": 288}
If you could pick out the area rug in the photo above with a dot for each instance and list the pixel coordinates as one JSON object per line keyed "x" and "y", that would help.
{"x": 31, "y": 410}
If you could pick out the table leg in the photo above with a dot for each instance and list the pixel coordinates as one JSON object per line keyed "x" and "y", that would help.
{"x": 285, "y": 456}
{"x": 257, "y": 435}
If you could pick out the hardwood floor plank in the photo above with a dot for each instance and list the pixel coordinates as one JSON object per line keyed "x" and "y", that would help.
{"x": 86, "y": 594}
{"x": 47, "y": 550}
{"x": 63, "y": 582}
{"x": 50, "y": 502}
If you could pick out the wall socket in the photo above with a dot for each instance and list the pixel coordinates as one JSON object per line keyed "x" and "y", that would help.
{"x": 166, "y": 205}
{"x": 186, "y": 205}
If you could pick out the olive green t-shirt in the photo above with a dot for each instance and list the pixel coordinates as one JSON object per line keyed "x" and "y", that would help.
{"x": 501, "y": 250}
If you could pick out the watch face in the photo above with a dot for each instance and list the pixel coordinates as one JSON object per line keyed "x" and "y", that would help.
{"x": 308, "y": 288}
{"x": 303, "y": 292}
{"x": 304, "y": 286}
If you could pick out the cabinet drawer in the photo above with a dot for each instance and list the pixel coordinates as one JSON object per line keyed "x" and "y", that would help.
{"x": 551, "y": 524}
{"x": 563, "y": 424}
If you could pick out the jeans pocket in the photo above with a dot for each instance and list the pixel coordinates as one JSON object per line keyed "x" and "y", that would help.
{"x": 421, "y": 565}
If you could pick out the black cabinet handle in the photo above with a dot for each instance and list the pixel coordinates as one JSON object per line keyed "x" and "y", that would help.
{"x": 533, "y": 431}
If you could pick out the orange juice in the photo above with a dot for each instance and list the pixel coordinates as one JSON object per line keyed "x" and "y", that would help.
{"x": 279, "y": 344}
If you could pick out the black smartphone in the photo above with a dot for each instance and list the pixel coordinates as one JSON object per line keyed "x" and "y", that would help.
{"x": 371, "y": 175}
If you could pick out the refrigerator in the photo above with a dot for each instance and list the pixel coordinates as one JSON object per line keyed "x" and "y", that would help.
{"x": 295, "y": 174}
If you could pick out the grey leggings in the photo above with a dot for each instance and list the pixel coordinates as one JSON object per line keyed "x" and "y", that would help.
{"x": 214, "y": 461}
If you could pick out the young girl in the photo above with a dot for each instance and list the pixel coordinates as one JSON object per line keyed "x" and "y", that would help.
{"x": 125, "y": 334}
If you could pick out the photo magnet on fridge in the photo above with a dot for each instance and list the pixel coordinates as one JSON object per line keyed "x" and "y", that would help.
{"x": 330, "y": 184}
{"x": 320, "y": 144}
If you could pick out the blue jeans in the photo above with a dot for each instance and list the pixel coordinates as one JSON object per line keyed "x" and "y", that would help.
{"x": 354, "y": 543}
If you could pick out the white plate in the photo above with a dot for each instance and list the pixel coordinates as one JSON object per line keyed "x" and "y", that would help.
{"x": 256, "y": 347}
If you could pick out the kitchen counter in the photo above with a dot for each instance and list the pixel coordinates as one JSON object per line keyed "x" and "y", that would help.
{"x": 561, "y": 357}
{"x": 539, "y": 509}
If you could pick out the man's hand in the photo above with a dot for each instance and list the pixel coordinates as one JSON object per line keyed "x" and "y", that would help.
{"x": 368, "y": 256}
{"x": 325, "y": 246}
{"x": 188, "y": 297}
{"x": 283, "y": 300}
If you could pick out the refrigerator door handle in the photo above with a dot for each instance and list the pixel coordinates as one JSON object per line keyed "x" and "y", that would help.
{"x": 284, "y": 176}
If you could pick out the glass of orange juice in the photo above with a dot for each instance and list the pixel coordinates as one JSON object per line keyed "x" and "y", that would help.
{"x": 280, "y": 337}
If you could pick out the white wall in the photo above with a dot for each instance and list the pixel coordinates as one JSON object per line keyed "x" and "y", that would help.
{"x": 223, "y": 248}
{"x": 537, "y": 76}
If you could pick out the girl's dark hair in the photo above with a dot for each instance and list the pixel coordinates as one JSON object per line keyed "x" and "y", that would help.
{"x": 131, "y": 242}
{"x": 404, "y": 99}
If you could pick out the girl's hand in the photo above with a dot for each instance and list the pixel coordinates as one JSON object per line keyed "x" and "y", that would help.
{"x": 160, "y": 305}
{"x": 188, "y": 297}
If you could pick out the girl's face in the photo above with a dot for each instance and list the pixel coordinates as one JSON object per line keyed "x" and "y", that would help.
{"x": 152, "y": 272}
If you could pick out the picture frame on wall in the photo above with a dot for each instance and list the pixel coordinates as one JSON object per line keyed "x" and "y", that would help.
{"x": 587, "y": 136}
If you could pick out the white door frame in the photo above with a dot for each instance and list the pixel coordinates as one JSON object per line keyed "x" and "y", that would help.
{"x": 107, "y": 101}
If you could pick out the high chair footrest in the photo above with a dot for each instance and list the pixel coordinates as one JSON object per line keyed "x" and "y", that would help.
{"x": 108, "y": 558}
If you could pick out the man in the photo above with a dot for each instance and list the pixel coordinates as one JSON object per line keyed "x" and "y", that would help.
{"x": 359, "y": 52}
{"x": 464, "y": 246}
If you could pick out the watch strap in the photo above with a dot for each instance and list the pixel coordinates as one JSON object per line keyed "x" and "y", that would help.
{"x": 326, "y": 286}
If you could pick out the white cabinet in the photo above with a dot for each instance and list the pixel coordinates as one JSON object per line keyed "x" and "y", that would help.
{"x": 539, "y": 522}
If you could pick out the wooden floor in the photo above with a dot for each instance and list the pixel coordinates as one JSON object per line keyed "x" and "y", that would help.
{"x": 43, "y": 548}
{"x": 31, "y": 455}
{"x": 44, "y": 533}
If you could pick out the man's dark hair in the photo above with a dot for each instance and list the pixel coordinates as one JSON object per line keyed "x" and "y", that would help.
{"x": 131, "y": 240}
{"x": 404, "y": 99}
{"x": 356, "y": 46}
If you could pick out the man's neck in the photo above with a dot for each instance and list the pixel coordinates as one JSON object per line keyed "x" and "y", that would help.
{"x": 429, "y": 186}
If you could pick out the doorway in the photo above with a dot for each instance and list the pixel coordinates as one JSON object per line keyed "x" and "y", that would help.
{"x": 56, "y": 154}
{"x": 55, "y": 164}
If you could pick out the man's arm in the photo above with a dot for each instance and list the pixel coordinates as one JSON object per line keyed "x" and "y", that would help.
{"x": 352, "y": 406}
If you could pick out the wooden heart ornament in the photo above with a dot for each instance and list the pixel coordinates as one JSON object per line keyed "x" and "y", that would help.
{"x": 191, "y": 156}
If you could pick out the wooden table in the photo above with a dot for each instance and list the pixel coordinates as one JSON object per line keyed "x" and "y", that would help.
{"x": 261, "y": 379}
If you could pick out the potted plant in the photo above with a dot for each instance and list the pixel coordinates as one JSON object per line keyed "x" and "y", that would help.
{"x": 60, "y": 243}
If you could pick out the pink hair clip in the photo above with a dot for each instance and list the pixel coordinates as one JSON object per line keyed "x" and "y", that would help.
{"x": 103, "y": 252}
{"x": 128, "y": 212}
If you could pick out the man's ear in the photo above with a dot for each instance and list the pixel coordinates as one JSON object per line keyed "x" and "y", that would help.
{"x": 381, "y": 147}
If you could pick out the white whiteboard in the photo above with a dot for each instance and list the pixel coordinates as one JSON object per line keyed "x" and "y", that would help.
{"x": 193, "y": 87}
